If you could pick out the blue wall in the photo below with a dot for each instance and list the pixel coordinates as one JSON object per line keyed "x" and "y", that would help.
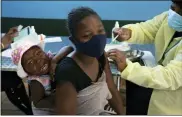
{"x": 108, "y": 10}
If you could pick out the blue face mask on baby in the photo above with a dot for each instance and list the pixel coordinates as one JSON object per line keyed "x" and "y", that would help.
{"x": 175, "y": 20}
{"x": 94, "y": 47}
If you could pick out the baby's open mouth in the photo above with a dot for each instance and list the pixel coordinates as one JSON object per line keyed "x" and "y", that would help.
{"x": 44, "y": 67}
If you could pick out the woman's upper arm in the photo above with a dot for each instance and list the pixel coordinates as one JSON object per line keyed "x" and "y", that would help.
{"x": 109, "y": 80}
{"x": 145, "y": 32}
{"x": 63, "y": 52}
{"x": 66, "y": 99}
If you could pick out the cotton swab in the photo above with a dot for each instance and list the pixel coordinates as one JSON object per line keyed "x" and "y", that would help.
{"x": 115, "y": 38}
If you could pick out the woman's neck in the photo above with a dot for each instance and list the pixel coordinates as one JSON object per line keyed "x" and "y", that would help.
{"x": 86, "y": 60}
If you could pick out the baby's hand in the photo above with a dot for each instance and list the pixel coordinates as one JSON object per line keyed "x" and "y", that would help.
{"x": 52, "y": 68}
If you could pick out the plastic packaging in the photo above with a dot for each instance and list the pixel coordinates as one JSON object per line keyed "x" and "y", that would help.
{"x": 19, "y": 28}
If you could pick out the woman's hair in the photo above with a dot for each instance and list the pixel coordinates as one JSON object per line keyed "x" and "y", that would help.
{"x": 76, "y": 15}
{"x": 178, "y": 2}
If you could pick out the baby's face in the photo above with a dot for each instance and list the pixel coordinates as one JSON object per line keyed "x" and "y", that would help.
{"x": 35, "y": 61}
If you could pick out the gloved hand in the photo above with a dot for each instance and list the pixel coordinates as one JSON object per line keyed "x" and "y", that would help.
{"x": 124, "y": 34}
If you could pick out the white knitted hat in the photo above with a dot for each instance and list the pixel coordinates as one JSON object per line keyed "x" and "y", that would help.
{"x": 20, "y": 47}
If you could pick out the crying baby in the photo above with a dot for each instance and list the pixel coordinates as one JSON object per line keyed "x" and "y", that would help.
{"x": 35, "y": 64}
